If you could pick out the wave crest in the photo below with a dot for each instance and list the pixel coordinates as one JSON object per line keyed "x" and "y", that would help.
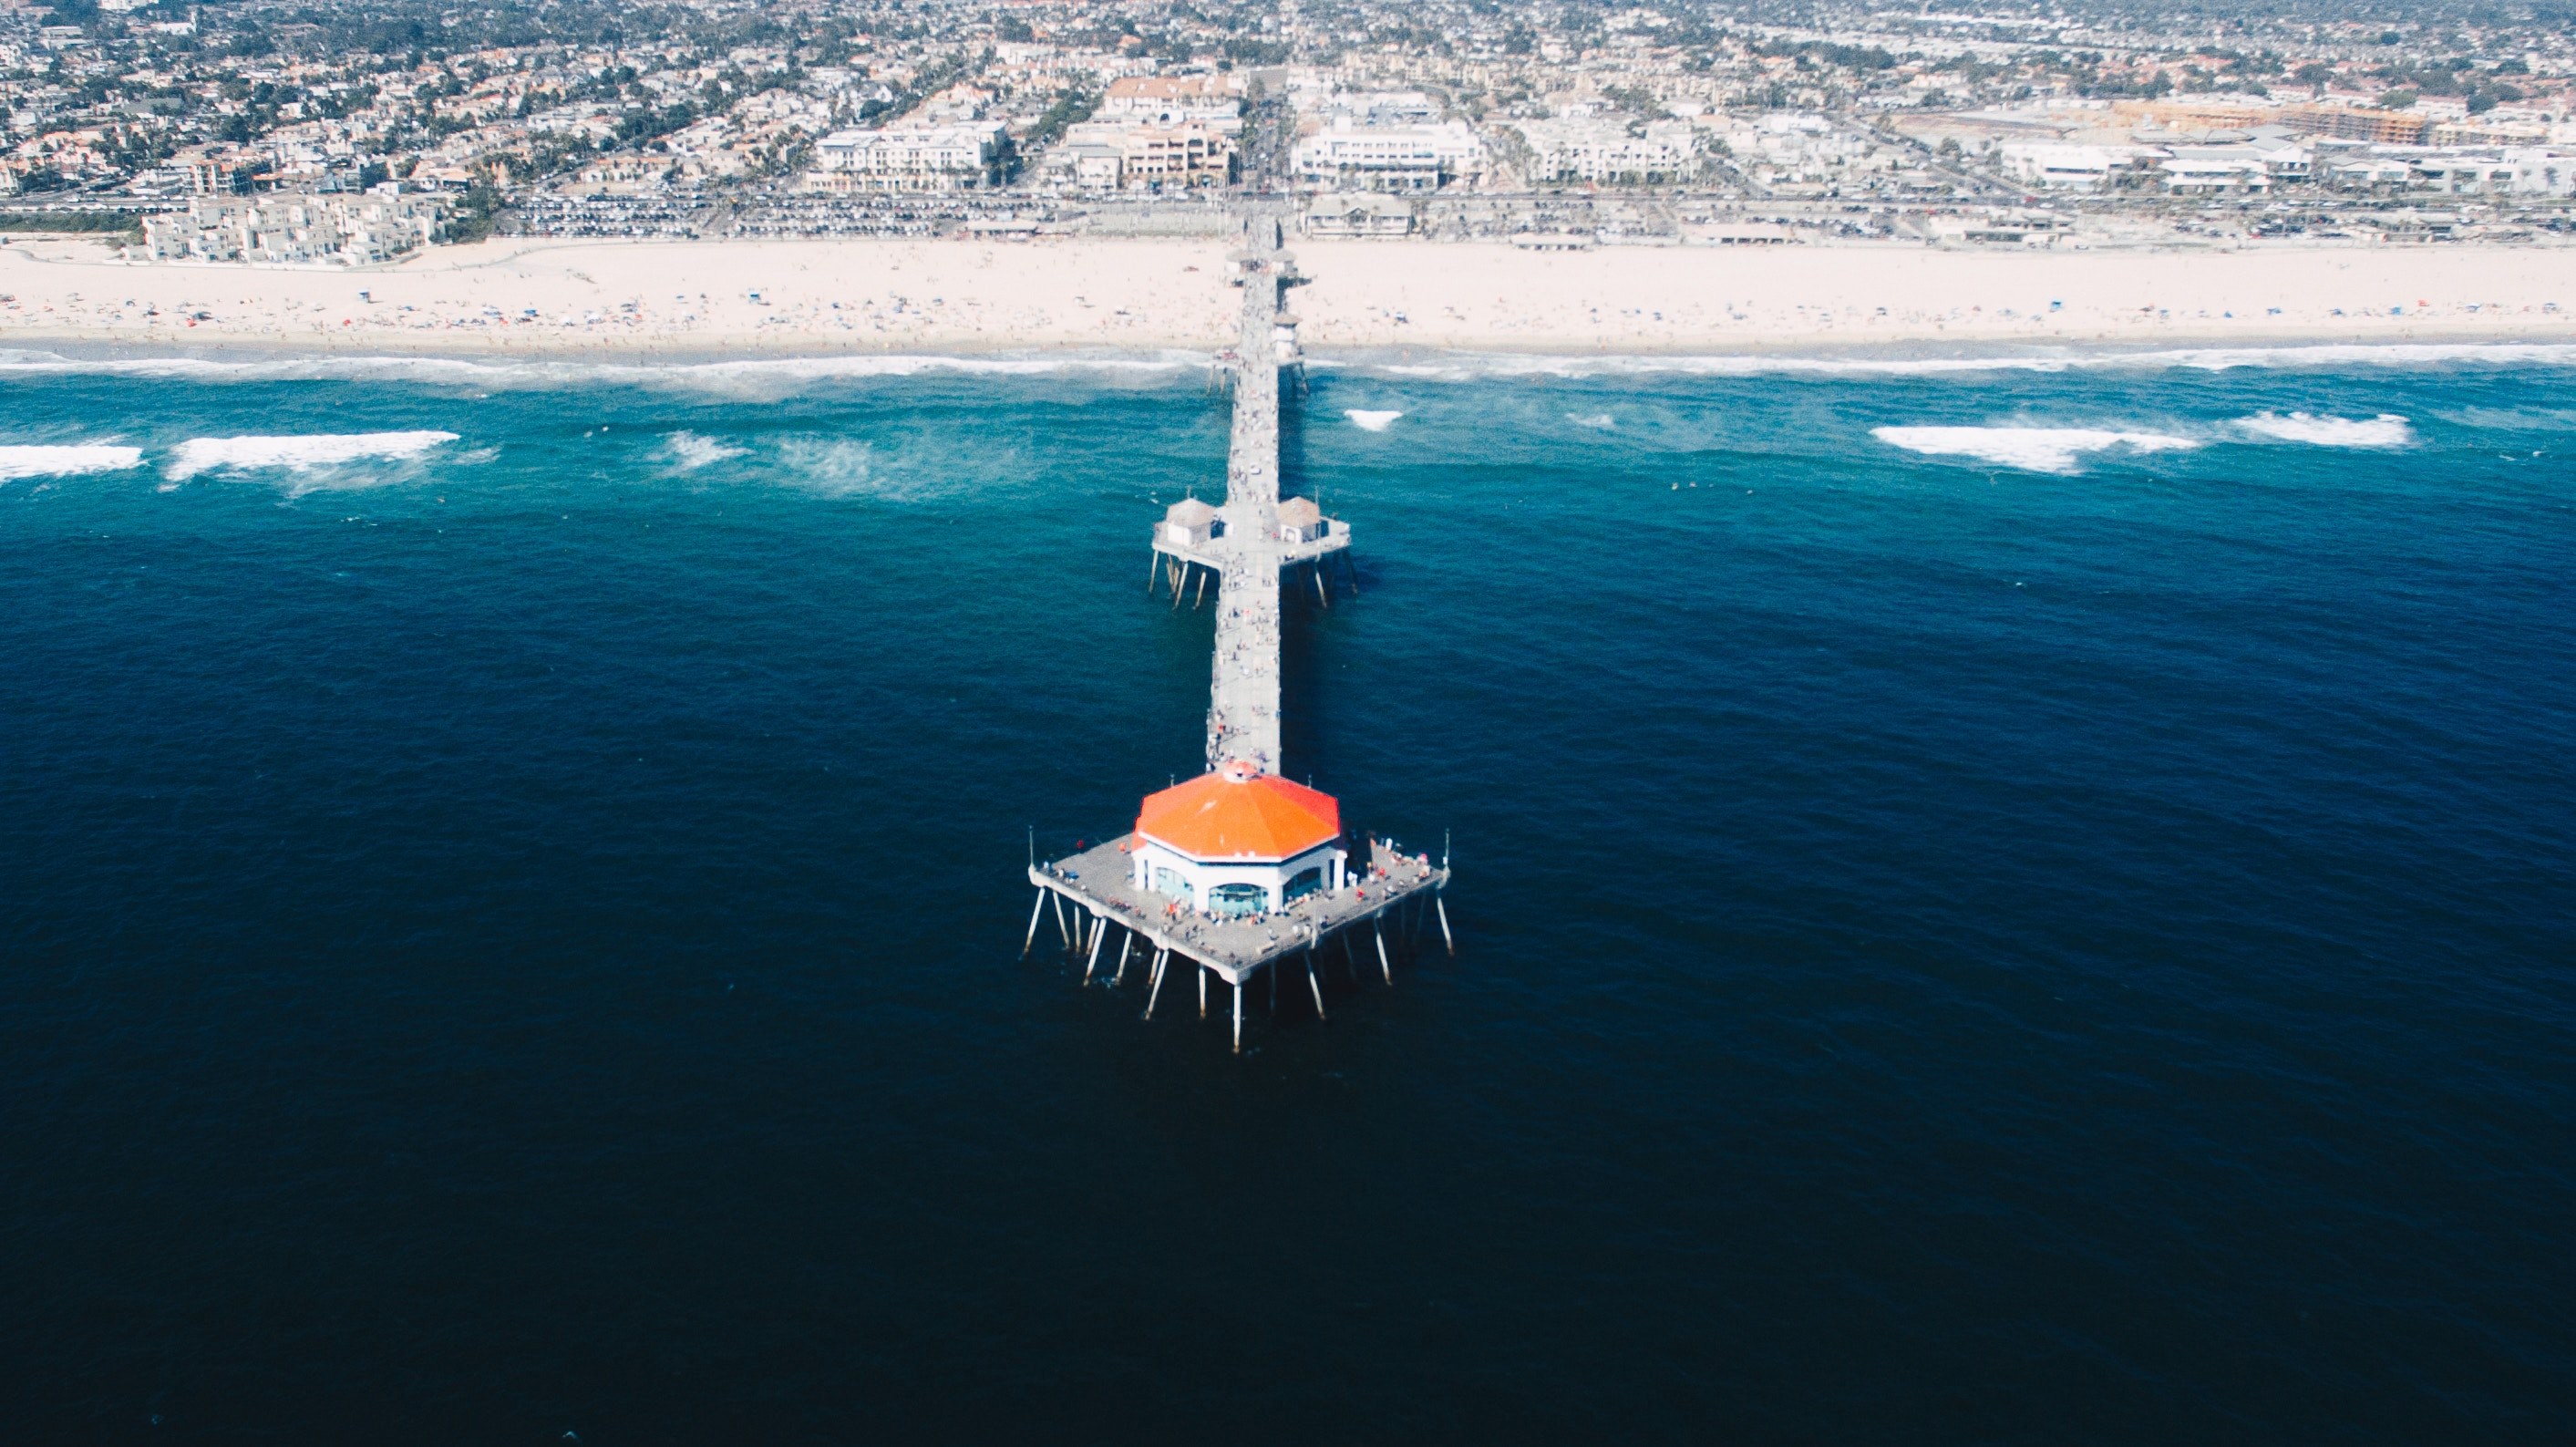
{"x": 2033, "y": 449}
{"x": 296, "y": 453}
{"x": 2385, "y": 430}
{"x": 756, "y": 379}
{"x": 688, "y": 451}
{"x": 66, "y": 460}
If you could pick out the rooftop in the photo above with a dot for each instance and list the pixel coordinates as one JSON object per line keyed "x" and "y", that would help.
{"x": 1239, "y": 812}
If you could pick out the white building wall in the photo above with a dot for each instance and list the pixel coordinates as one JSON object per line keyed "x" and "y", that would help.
{"x": 1203, "y": 876}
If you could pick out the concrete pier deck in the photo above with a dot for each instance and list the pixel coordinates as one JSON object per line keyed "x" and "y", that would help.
{"x": 1097, "y": 882}
{"x": 1244, "y": 545}
{"x": 1243, "y": 692}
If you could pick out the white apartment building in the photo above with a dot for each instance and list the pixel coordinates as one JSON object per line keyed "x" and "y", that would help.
{"x": 287, "y": 229}
{"x": 1351, "y": 156}
{"x": 904, "y": 158}
{"x": 1594, "y": 149}
{"x": 2055, "y": 166}
{"x": 2510, "y": 171}
{"x": 2214, "y": 171}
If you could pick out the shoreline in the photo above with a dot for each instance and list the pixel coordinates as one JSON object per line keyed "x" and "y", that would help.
{"x": 86, "y": 351}
{"x": 695, "y": 303}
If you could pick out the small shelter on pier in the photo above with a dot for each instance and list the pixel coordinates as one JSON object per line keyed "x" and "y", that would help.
{"x": 1300, "y": 521}
{"x": 1188, "y": 523}
{"x": 1238, "y": 841}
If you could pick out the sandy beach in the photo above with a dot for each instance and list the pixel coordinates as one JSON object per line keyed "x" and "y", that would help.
{"x": 721, "y": 298}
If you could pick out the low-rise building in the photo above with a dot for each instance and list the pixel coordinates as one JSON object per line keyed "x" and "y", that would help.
{"x": 1367, "y": 214}
{"x": 1353, "y": 156}
{"x": 913, "y": 158}
{"x": 1238, "y": 842}
{"x": 1125, "y": 155}
{"x": 2057, "y": 166}
{"x": 292, "y": 229}
{"x": 1599, "y": 150}
{"x": 1173, "y": 100}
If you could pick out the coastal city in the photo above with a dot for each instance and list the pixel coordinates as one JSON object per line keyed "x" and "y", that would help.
{"x": 348, "y": 136}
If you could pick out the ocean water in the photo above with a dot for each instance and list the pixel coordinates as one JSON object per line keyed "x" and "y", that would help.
{"x": 2026, "y": 903}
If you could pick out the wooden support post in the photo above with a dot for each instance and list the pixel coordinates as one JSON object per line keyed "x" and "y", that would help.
{"x": 1203, "y": 974}
{"x": 1160, "y": 958}
{"x": 1126, "y": 942}
{"x": 1238, "y": 1017}
{"x": 1314, "y": 985}
{"x": 1383, "y": 967}
{"x": 1061, "y": 928}
{"x": 1445, "y": 937}
{"x": 1037, "y": 907}
{"x": 1351, "y": 572}
{"x": 1172, "y": 568}
{"x": 1200, "y": 595}
{"x": 1153, "y": 566}
{"x": 1093, "y": 963}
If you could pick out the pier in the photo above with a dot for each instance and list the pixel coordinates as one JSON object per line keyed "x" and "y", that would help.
{"x": 1241, "y": 872}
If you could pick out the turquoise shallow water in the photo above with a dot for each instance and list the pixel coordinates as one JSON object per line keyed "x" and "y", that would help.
{"x": 516, "y": 934}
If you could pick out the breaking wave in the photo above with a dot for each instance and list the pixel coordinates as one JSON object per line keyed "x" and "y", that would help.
{"x": 2385, "y": 430}
{"x": 296, "y": 454}
{"x": 688, "y": 452}
{"x": 2035, "y": 449}
{"x": 66, "y": 460}
{"x": 1368, "y": 421}
{"x": 752, "y": 379}
{"x": 1597, "y": 421}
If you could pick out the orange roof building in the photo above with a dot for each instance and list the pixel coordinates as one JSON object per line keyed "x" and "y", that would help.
{"x": 1238, "y": 841}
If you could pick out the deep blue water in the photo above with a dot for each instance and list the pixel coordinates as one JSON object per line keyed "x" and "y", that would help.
{"x": 522, "y": 939}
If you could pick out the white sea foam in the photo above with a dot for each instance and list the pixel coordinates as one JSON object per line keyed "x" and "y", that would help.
{"x": 782, "y": 376}
{"x": 688, "y": 452}
{"x": 1597, "y": 421}
{"x": 2385, "y": 430}
{"x": 2036, "y": 449}
{"x": 296, "y": 454}
{"x": 755, "y": 379}
{"x": 65, "y": 460}
{"x": 1368, "y": 421}
{"x": 1481, "y": 366}
{"x": 2514, "y": 419}
{"x": 832, "y": 466}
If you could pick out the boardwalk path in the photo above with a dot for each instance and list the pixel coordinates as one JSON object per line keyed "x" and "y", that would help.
{"x": 1243, "y": 697}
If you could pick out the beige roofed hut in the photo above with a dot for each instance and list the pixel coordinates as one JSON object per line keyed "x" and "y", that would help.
{"x": 1300, "y": 521}
{"x": 1188, "y": 523}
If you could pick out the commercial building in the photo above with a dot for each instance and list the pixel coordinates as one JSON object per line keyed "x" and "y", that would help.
{"x": 1238, "y": 841}
{"x": 911, "y": 158}
{"x": 1350, "y": 155}
{"x": 1367, "y": 214}
{"x": 1134, "y": 156}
